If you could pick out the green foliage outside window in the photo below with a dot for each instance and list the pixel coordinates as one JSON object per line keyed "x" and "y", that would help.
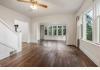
{"x": 59, "y": 30}
{"x": 54, "y": 30}
{"x": 45, "y": 30}
{"x": 64, "y": 30}
{"x": 89, "y": 27}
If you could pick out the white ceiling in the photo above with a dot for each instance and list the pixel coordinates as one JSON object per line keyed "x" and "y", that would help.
{"x": 54, "y": 7}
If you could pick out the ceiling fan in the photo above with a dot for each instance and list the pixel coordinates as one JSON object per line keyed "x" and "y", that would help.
{"x": 34, "y": 3}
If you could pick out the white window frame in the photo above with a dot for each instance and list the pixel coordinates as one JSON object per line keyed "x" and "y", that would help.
{"x": 97, "y": 19}
{"x": 53, "y": 31}
{"x": 85, "y": 25}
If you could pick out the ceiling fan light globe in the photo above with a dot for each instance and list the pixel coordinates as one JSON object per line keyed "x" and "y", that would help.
{"x": 33, "y": 7}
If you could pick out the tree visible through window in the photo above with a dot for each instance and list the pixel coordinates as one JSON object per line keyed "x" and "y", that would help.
{"x": 45, "y": 30}
{"x": 64, "y": 30}
{"x": 59, "y": 30}
{"x": 89, "y": 20}
{"x": 54, "y": 30}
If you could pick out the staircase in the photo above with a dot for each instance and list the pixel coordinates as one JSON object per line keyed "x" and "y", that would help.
{"x": 10, "y": 41}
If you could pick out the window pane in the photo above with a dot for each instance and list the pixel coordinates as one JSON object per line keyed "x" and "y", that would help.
{"x": 89, "y": 19}
{"x": 64, "y": 30}
{"x": 54, "y": 30}
{"x": 59, "y": 30}
{"x": 45, "y": 30}
{"x": 81, "y": 30}
{"x": 50, "y": 30}
{"x": 99, "y": 29}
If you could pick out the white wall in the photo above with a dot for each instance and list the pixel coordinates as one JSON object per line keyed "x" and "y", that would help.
{"x": 10, "y": 17}
{"x": 25, "y": 29}
{"x": 91, "y": 49}
{"x": 85, "y": 6}
{"x": 59, "y": 38}
{"x": 6, "y": 35}
{"x": 9, "y": 41}
{"x": 67, "y": 19}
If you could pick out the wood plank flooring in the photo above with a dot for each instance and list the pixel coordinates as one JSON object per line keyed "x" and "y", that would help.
{"x": 48, "y": 54}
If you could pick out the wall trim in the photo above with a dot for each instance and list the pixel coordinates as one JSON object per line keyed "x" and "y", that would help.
{"x": 73, "y": 46}
{"x": 85, "y": 52}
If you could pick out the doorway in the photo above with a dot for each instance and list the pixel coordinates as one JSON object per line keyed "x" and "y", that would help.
{"x": 53, "y": 32}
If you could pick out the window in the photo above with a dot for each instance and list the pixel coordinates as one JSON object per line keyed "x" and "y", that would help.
{"x": 89, "y": 22}
{"x": 64, "y": 30}
{"x": 99, "y": 30}
{"x": 81, "y": 30}
{"x": 45, "y": 30}
{"x": 50, "y": 30}
{"x": 55, "y": 30}
{"x": 89, "y": 28}
{"x": 59, "y": 30}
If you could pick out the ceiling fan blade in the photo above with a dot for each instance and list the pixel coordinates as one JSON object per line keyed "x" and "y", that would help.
{"x": 27, "y": 1}
{"x": 34, "y": 2}
{"x": 42, "y": 5}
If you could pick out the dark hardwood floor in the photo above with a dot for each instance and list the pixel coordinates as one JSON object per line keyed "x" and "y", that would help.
{"x": 48, "y": 54}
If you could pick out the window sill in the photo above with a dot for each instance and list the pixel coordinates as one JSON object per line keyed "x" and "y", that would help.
{"x": 87, "y": 41}
{"x": 94, "y": 43}
{"x": 98, "y": 44}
